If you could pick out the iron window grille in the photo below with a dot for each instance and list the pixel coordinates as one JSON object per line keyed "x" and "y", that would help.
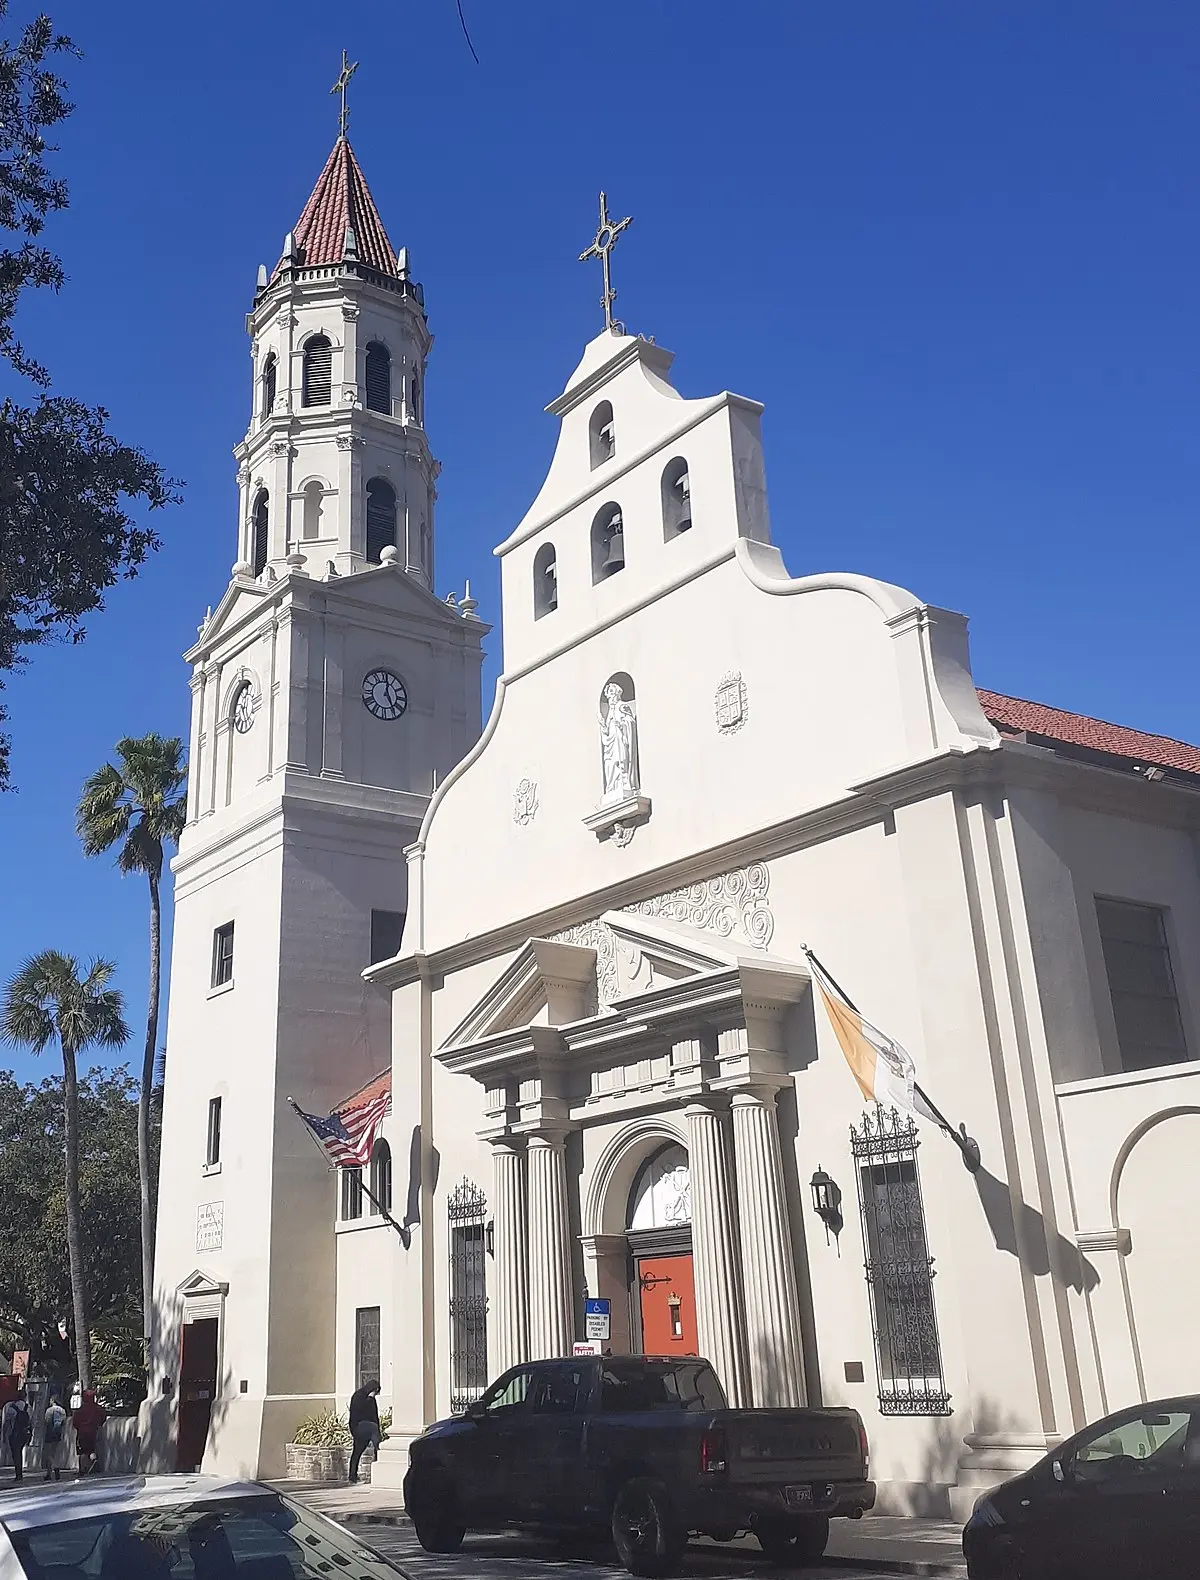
{"x": 898, "y": 1266}
{"x": 467, "y": 1213}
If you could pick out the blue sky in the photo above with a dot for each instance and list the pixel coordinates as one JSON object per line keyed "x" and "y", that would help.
{"x": 954, "y": 248}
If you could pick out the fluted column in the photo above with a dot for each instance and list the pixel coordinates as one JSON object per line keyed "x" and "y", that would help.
{"x": 768, "y": 1272}
{"x": 714, "y": 1252}
{"x": 551, "y": 1314}
{"x": 512, "y": 1259}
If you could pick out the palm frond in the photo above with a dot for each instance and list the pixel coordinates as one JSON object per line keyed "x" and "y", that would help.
{"x": 104, "y": 811}
{"x": 141, "y": 802}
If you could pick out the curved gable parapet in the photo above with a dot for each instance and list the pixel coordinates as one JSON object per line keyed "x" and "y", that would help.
{"x": 938, "y": 696}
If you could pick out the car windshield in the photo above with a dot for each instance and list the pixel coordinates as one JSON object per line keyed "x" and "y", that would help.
{"x": 240, "y": 1538}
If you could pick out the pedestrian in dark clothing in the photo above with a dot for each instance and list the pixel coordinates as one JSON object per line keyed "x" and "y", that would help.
{"x": 52, "y": 1439}
{"x": 87, "y": 1421}
{"x": 364, "y": 1423}
{"x": 17, "y": 1429}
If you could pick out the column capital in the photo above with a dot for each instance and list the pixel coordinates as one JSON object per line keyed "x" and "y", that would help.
{"x": 548, "y": 1135}
{"x": 605, "y": 1244}
{"x": 757, "y": 1093}
{"x": 514, "y": 1145}
{"x": 713, "y": 1104}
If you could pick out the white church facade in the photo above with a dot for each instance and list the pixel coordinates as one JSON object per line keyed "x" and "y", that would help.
{"x": 573, "y": 946}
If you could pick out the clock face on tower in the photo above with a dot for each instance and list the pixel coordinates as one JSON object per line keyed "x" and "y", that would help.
{"x": 383, "y": 694}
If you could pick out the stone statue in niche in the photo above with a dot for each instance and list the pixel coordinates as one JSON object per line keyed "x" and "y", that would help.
{"x": 618, "y": 744}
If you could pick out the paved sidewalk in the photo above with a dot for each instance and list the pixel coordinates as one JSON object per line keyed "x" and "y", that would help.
{"x": 881, "y": 1542}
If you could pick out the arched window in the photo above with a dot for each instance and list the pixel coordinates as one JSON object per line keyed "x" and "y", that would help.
{"x": 381, "y": 1174}
{"x": 415, "y": 411}
{"x": 661, "y": 1197}
{"x": 608, "y": 543}
{"x": 269, "y": 371}
{"x": 317, "y": 382}
{"x": 545, "y": 582}
{"x": 314, "y": 493}
{"x": 379, "y": 379}
{"x": 676, "y": 499}
{"x": 260, "y": 517}
{"x": 601, "y": 434}
{"x": 381, "y": 518}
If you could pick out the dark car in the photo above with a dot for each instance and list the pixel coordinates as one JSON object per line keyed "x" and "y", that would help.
{"x": 644, "y": 1448}
{"x": 1119, "y": 1500}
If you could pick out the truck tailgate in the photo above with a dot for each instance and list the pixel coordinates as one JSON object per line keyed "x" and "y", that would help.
{"x": 782, "y": 1446}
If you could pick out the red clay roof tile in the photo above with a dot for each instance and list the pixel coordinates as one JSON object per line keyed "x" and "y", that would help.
{"x": 1012, "y": 715}
{"x": 381, "y": 1083}
{"x": 341, "y": 200}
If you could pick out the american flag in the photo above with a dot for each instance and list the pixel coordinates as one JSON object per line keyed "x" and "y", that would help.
{"x": 348, "y": 1137}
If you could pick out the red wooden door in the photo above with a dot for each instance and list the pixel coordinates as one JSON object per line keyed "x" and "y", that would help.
{"x": 197, "y": 1388}
{"x": 668, "y": 1302}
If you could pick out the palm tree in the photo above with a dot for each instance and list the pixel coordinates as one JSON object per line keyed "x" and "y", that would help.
{"x": 140, "y": 803}
{"x": 48, "y": 999}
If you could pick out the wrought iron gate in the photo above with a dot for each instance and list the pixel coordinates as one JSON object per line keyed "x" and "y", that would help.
{"x": 467, "y": 1212}
{"x": 899, "y": 1268}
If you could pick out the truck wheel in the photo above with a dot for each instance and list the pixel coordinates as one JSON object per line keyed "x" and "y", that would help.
{"x": 433, "y": 1509}
{"x": 799, "y": 1541}
{"x": 644, "y": 1528}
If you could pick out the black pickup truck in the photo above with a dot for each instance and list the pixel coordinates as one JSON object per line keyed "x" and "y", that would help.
{"x": 646, "y": 1448}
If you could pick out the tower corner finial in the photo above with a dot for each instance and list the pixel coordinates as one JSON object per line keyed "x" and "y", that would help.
{"x": 349, "y": 244}
{"x": 262, "y": 277}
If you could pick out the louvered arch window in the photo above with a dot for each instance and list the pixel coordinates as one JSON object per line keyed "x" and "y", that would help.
{"x": 379, "y": 379}
{"x": 262, "y": 534}
{"x": 381, "y": 518}
{"x": 269, "y": 374}
{"x": 318, "y": 372}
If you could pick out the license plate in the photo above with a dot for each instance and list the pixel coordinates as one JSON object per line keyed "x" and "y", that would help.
{"x": 798, "y": 1497}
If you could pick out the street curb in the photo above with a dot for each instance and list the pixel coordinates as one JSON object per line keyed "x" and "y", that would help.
{"x": 834, "y": 1564}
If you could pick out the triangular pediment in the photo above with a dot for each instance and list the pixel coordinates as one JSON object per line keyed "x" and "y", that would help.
{"x": 200, "y": 1283}
{"x": 588, "y": 971}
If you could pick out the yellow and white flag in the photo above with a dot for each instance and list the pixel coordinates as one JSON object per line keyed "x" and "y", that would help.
{"x": 883, "y": 1069}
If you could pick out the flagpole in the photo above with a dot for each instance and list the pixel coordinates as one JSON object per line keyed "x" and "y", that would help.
{"x": 966, "y": 1144}
{"x": 405, "y": 1234}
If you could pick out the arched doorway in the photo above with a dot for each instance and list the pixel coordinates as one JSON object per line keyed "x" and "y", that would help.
{"x": 659, "y": 1230}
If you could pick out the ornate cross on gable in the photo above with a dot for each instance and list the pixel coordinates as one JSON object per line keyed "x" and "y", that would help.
{"x": 606, "y": 237}
{"x": 340, "y": 86}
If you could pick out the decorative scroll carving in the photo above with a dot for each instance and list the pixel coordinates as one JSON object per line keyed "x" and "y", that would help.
{"x": 601, "y": 938}
{"x": 736, "y": 900}
{"x": 525, "y": 803}
{"x": 730, "y": 703}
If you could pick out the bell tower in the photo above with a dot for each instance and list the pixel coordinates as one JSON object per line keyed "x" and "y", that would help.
{"x": 332, "y": 690}
{"x": 335, "y": 466}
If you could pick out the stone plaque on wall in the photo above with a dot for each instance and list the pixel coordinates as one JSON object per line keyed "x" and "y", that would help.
{"x": 210, "y": 1225}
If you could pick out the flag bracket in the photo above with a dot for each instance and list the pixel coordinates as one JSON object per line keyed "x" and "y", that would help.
{"x": 967, "y": 1145}
{"x": 403, "y": 1230}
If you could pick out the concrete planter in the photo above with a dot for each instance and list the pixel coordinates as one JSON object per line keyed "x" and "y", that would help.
{"x": 305, "y": 1463}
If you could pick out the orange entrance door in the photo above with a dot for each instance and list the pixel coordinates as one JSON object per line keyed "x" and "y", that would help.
{"x": 668, "y": 1301}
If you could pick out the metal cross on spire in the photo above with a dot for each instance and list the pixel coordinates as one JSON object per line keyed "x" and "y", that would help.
{"x": 340, "y": 86}
{"x": 601, "y": 248}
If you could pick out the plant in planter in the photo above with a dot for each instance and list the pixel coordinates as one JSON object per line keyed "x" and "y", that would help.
{"x": 320, "y": 1448}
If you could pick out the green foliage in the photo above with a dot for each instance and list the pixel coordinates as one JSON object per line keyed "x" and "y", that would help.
{"x": 48, "y": 999}
{"x": 138, "y": 803}
{"x": 324, "y": 1429}
{"x": 65, "y": 533}
{"x": 35, "y": 1280}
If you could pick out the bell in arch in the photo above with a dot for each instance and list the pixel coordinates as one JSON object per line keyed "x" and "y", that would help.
{"x": 614, "y": 553}
{"x": 550, "y": 587}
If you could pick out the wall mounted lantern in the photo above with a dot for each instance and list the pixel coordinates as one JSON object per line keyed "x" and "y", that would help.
{"x": 827, "y": 1202}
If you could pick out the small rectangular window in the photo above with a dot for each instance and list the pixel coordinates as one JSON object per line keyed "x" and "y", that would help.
{"x": 387, "y": 929}
{"x": 352, "y": 1196}
{"x": 222, "y": 962}
{"x": 212, "y": 1150}
{"x": 1137, "y": 961}
{"x": 366, "y": 1345}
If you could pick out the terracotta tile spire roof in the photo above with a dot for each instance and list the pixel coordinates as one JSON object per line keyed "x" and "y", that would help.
{"x": 341, "y": 201}
{"x": 366, "y": 1094}
{"x": 1051, "y": 726}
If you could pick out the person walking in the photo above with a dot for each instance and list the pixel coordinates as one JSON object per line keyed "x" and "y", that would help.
{"x": 364, "y": 1423}
{"x": 16, "y": 1429}
{"x": 87, "y": 1421}
{"x": 54, "y": 1432}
